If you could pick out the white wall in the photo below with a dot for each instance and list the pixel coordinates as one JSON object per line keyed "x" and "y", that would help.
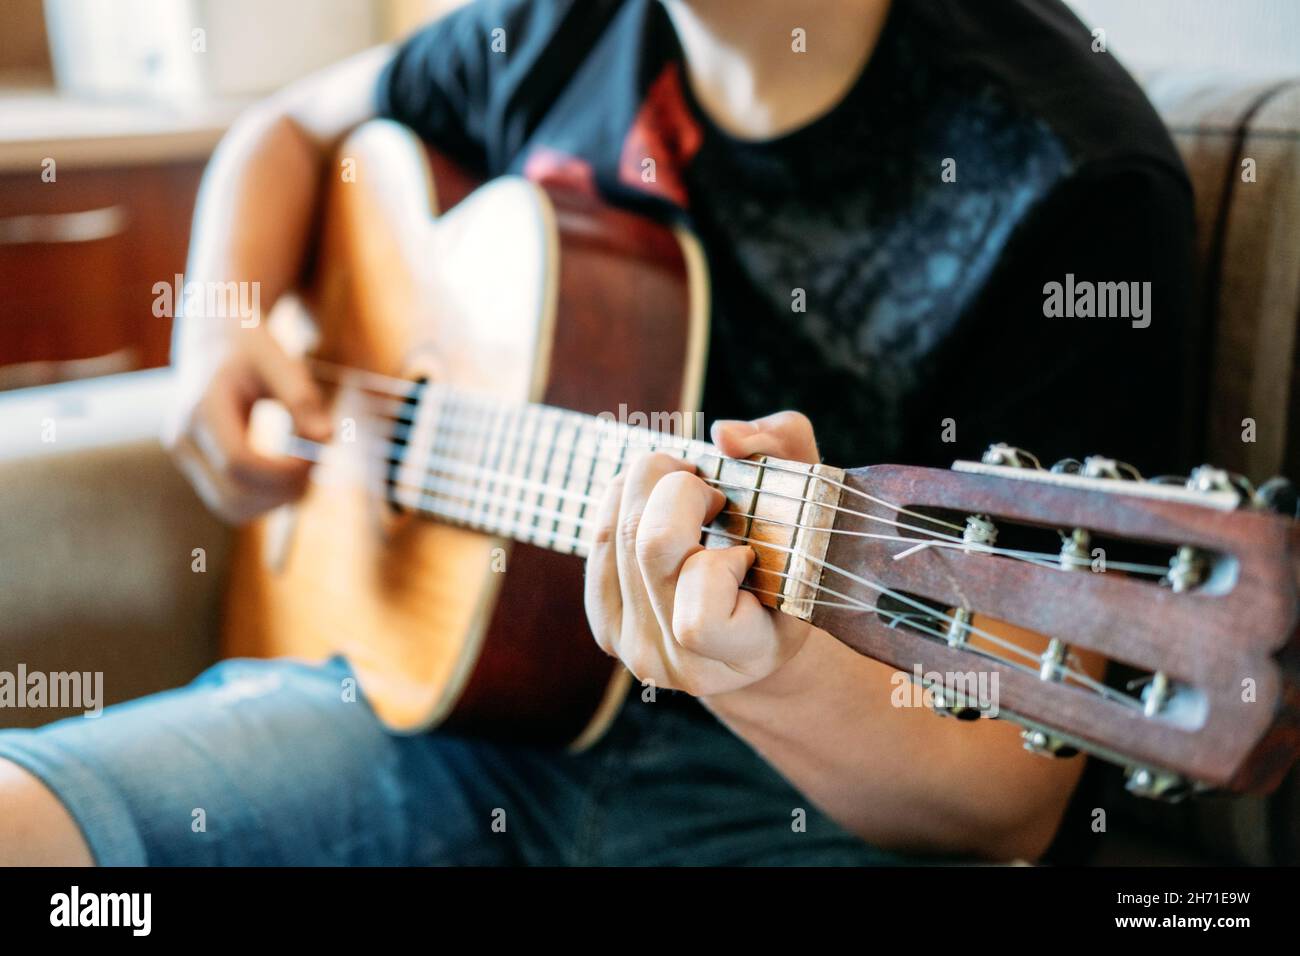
{"x": 122, "y": 48}
{"x": 1240, "y": 36}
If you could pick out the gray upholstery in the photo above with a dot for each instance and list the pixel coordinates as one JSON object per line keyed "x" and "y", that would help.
{"x": 97, "y": 534}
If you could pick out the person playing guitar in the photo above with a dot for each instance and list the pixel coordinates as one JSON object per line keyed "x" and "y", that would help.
{"x": 883, "y": 191}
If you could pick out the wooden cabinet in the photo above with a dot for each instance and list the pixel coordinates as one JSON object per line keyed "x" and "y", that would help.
{"x": 79, "y": 258}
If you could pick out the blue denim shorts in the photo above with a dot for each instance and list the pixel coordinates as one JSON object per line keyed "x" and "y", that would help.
{"x": 267, "y": 763}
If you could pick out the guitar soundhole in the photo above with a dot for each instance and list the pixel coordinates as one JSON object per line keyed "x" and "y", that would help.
{"x": 398, "y": 437}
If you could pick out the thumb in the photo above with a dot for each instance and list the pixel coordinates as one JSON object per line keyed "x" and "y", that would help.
{"x": 787, "y": 435}
{"x": 287, "y": 380}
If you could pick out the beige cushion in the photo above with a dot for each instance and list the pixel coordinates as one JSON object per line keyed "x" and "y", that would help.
{"x": 1248, "y": 241}
{"x": 98, "y": 535}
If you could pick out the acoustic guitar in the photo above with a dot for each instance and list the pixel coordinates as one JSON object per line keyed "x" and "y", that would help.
{"x": 495, "y": 353}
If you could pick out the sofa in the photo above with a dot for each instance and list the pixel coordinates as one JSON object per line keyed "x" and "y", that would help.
{"x": 98, "y": 532}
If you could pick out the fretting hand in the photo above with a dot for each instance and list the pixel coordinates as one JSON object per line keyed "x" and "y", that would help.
{"x": 670, "y": 609}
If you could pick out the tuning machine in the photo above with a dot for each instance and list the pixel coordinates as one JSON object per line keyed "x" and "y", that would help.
{"x": 1098, "y": 466}
{"x": 946, "y": 705}
{"x": 1047, "y": 745}
{"x": 1207, "y": 478}
{"x": 1035, "y": 739}
{"x": 1010, "y": 457}
{"x": 1278, "y": 495}
{"x": 1154, "y": 784}
{"x": 944, "y": 702}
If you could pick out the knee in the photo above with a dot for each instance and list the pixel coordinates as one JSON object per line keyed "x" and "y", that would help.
{"x": 36, "y": 829}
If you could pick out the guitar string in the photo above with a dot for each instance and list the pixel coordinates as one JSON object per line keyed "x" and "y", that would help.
{"x": 405, "y": 391}
{"x": 436, "y": 465}
{"x": 551, "y": 489}
{"x": 1056, "y": 561}
{"x": 632, "y": 436}
{"x": 1057, "y": 667}
{"x": 522, "y": 531}
{"x": 1064, "y": 670}
{"x": 1038, "y": 558}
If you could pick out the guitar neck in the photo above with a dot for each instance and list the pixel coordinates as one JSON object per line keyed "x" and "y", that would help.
{"x": 536, "y": 474}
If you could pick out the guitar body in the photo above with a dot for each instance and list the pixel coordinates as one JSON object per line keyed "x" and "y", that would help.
{"x": 510, "y": 292}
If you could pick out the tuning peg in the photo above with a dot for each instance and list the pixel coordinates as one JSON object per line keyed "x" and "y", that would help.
{"x": 1207, "y": 478}
{"x": 1075, "y": 554}
{"x": 1009, "y": 456}
{"x": 1097, "y": 466}
{"x": 1155, "y": 694}
{"x": 945, "y": 703}
{"x": 959, "y": 626}
{"x": 1156, "y": 784}
{"x": 1279, "y": 495}
{"x": 1047, "y": 745}
{"x": 946, "y": 706}
{"x": 1187, "y": 568}
{"x": 980, "y": 529}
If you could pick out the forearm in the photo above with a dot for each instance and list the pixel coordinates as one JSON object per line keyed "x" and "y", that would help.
{"x": 255, "y": 210}
{"x": 899, "y": 777}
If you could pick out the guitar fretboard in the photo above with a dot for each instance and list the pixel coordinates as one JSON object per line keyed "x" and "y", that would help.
{"x": 537, "y": 474}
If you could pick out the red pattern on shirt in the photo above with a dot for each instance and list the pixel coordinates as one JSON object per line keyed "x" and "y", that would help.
{"x": 664, "y": 131}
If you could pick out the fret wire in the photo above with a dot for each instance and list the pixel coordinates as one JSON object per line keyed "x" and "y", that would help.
{"x": 531, "y": 427}
{"x": 568, "y": 468}
{"x": 459, "y": 514}
{"x": 446, "y": 426}
{"x": 480, "y": 455}
{"x": 717, "y": 475}
{"x": 591, "y": 475}
{"x": 458, "y": 467}
{"x": 546, "y": 465}
{"x": 1083, "y": 678}
{"x": 436, "y": 439}
{"x": 622, "y": 455}
{"x": 706, "y": 450}
{"x": 798, "y": 520}
{"x": 628, "y": 436}
{"x": 722, "y": 461}
{"x": 839, "y": 509}
{"x": 498, "y": 444}
{"x": 516, "y": 429}
{"x": 501, "y": 439}
{"x": 753, "y": 498}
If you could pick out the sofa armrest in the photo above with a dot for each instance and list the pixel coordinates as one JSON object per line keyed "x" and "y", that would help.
{"x": 98, "y": 533}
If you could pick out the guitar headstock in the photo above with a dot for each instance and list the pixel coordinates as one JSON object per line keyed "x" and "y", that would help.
{"x": 1186, "y": 587}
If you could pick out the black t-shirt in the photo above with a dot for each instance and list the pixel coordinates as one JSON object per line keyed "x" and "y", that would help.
{"x": 855, "y": 278}
{"x": 882, "y": 269}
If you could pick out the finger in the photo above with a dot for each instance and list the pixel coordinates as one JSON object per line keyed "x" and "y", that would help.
{"x": 644, "y": 474}
{"x": 669, "y": 533}
{"x": 231, "y": 504}
{"x": 221, "y": 434}
{"x": 600, "y": 594}
{"x": 787, "y": 435}
{"x": 287, "y": 380}
{"x": 751, "y": 639}
{"x": 712, "y": 616}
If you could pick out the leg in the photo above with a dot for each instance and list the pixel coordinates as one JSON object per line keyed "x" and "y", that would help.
{"x": 35, "y": 829}
{"x": 685, "y": 791}
{"x": 255, "y": 763}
